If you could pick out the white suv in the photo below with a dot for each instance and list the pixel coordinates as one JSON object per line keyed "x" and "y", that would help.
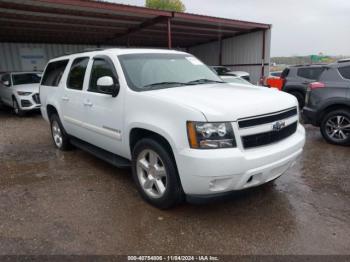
{"x": 183, "y": 131}
{"x": 20, "y": 90}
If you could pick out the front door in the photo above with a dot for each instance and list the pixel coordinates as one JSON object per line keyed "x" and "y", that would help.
{"x": 103, "y": 113}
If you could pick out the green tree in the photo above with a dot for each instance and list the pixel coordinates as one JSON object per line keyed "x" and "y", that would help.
{"x": 168, "y": 5}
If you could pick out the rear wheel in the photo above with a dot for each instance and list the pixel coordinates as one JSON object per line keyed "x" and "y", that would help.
{"x": 155, "y": 174}
{"x": 59, "y": 135}
{"x": 335, "y": 127}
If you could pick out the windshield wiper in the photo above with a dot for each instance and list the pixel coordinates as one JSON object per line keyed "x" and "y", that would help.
{"x": 203, "y": 81}
{"x": 164, "y": 83}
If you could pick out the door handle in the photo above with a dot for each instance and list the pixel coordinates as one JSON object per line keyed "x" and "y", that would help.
{"x": 65, "y": 98}
{"x": 88, "y": 104}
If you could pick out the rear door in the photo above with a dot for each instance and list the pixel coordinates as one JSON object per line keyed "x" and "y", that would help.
{"x": 72, "y": 99}
{"x": 103, "y": 113}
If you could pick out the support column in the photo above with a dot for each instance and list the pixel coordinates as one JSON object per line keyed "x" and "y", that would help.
{"x": 169, "y": 34}
{"x": 220, "y": 49}
{"x": 263, "y": 53}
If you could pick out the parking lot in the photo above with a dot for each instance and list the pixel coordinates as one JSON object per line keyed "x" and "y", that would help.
{"x": 56, "y": 202}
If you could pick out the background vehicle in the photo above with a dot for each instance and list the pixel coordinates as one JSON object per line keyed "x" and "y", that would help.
{"x": 328, "y": 103}
{"x": 274, "y": 80}
{"x": 235, "y": 80}
{"x": 296, "y": 79}
{"x": 20, "y": 90}
{"x": 224, "y": 70}
{"x": 182, "y": 129}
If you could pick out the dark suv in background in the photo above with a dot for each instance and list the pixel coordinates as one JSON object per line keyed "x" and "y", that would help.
{"x": 296, "y": 79}
{"x": 328, "y": 103}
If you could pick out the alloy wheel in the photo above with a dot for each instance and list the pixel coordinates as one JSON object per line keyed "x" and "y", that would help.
{"x": 57, "y": 134}
{"x": 151, "y": 173}
{"x": 338, "y": 128}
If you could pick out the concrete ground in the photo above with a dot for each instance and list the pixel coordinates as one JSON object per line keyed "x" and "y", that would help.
{"x": 54, "y": 202}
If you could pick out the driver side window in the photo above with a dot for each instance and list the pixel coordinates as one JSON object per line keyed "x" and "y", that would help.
{"x": 100, "y": 68}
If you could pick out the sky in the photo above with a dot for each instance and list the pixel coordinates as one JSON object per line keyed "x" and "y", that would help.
{"x": 299, "y": 27}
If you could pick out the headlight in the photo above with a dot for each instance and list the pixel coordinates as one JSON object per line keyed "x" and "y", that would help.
{"x": 20, "y": 93}
{"x": 205, "y": 135}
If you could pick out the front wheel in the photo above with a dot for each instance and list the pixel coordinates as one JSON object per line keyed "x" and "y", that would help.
{"x": 16, "y": 108}
{"x": 335, "y": 127}
{"x": 155, "y": 174}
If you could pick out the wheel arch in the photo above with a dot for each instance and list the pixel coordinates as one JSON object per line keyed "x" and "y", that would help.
{"x": 332, "y": 107}
{"x": 50, "y": 109}
{"x": 138, "y": 133}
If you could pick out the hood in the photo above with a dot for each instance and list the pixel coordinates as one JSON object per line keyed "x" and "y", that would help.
{"x": 34, "y": 88}
{"x": 223, "y": 102}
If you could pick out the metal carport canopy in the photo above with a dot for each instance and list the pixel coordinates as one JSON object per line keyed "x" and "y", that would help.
{"x": 103, "y": 23}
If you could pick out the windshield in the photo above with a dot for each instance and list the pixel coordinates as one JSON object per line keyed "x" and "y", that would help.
{"x": 236, "y": 80}
{"x": 157, "y": 71}
{"x": 27, "y": 78}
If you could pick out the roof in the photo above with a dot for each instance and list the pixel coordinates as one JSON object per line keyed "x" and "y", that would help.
{"x": 103, "y": 23}
{"x": 118, "y": 51}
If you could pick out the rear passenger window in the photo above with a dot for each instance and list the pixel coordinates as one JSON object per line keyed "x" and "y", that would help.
{"x": 53, "y": 73}
{"x": 310, "y": 73}
{"x": 77, "y": 73}
{"x": 99, "y": 69}
{"x": 345, "y": 71}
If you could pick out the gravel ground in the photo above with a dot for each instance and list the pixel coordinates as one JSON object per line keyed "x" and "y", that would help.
{"x": 54, "y": 202}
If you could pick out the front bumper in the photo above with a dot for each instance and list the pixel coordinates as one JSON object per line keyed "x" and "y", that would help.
{"x": 28, "y": 103}
{"x": 212, "y": 172}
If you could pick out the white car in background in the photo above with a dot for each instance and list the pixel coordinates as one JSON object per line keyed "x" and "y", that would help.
{"x": 20, "y": 90}
{"x": 236, "y": 81}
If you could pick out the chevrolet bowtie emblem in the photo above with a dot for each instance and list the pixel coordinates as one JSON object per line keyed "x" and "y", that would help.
{"x": 278, "y": 126}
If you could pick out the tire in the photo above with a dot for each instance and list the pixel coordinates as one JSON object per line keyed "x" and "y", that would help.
{"x": 59, "y": 135}
{"x": 334, "y": 127}
{"x": 300, "y": 97}
{"x": 16, "y": 109}
{"x": 162, "y": 190}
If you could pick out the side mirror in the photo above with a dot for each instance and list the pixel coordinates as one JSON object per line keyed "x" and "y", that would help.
{"x": 106, "y": 85}
{"x": 6, "y": 83}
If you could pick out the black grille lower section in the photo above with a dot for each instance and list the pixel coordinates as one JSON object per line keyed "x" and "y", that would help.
{"x": 264, "y": 119}
{"x": 36, "y": 98}
{"x": 269, "y": 137}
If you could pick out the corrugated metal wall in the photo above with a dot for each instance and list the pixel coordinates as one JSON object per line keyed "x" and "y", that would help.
{"x": 10, "y": 53}
{"x": 244, "y": 49}
{"x": 240, "y": 50}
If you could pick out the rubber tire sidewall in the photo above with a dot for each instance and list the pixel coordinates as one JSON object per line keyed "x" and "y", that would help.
{"x": 65, "y": 138}
{"x": 344, "y": 112}
{"x": 174, "y": 193}
{"x": 20, "y": 112}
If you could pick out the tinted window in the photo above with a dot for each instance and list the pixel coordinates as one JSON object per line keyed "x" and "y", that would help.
{"x": 27, "y": 78}
{"x": 345, "y": 72}
{"x": 310, "y": 73}
{"x": 53, "y": 73}
{"x": 77, "y": 73}
{"x": 99, "y": 69}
